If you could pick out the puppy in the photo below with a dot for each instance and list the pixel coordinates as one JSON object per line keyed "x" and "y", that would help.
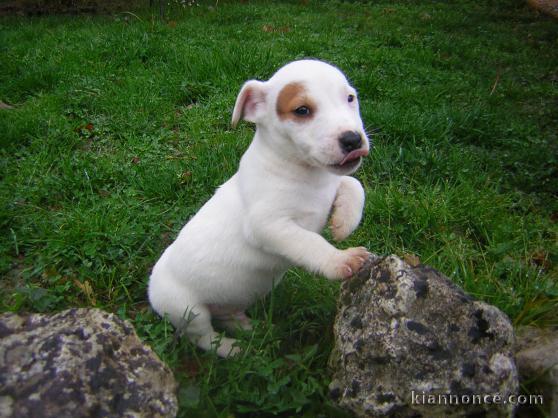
{"x": 267, "y": 217}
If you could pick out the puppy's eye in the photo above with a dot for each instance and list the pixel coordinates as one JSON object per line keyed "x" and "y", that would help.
{"x": 351, "y": 98}
{"x": 302, "y": 111}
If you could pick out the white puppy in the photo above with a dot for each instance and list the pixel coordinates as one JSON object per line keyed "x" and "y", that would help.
{"x": 268, "y": 216}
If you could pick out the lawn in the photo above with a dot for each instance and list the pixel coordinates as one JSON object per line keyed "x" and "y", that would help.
{"x": 120, "y": 130}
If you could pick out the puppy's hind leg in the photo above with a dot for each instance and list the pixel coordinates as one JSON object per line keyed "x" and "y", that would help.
{"x": 200, "y": 331}
{"x": 189, "y": 317}
{"x": 231, "y": 318}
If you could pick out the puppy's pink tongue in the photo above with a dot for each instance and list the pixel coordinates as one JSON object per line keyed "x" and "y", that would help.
{"x": 353, "y": 155}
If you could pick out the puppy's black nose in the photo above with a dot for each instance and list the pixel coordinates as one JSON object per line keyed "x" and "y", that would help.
{"x": 350, "y": 141}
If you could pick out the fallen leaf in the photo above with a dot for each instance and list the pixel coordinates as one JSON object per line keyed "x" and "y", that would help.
{"x": 49, "y": 272}
{"x": 166, "y": 237}
{"x": 86, "y": 288}
{"x": 541, "y": 259}
{"x": 190, "y": 367}
{"x": 425, "y": 17}
{"x": 411, "y": 259}
{"x": 270, "y": 28}
{"x": 185, "y": 177}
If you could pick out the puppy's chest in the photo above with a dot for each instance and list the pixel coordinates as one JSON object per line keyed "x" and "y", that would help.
{"x": 312, "y": 210}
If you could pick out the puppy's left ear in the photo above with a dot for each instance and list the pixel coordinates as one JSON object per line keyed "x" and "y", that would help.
{"x": 250, "y": 103}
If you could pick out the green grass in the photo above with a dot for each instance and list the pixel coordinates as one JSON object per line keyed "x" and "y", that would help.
{"x": 120, "y": 132}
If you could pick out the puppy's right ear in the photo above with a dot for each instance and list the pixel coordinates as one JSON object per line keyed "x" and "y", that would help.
{"x": 250, "y": 103}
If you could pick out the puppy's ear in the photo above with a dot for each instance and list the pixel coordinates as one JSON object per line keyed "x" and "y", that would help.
{"x": 250, "y": 103}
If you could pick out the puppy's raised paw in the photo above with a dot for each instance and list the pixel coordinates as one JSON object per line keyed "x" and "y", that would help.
{"x": 339, "y": 229}
{"x": 346, "y": 263}
{"x": 347, "y": 208}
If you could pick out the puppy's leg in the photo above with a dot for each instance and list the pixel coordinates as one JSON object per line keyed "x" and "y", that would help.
{"x": 230, "y": 318}
{"x": 305, "y": 248}
{"x": 200, "y": 331}
{"x": 188, "y": 316}
{"x": 347, "y": 208}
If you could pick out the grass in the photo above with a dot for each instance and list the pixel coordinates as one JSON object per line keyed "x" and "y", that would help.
{"x": 120, "y": 132}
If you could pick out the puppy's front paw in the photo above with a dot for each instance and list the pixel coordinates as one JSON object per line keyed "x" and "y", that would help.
{"x": 346, "y": 263}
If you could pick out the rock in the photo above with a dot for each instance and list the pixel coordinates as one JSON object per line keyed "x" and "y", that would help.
{"x": 410, "y": 343}
{"x": 80, "y": 363}
{"x": 537, "y": 363}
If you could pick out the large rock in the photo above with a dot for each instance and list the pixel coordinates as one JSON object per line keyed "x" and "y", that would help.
{"x": 410, "y": 343}
{"x": 80, "y": 363}
{"x": 537, "y": 362}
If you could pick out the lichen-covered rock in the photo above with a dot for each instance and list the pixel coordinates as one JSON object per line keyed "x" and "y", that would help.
{"x": 410, "y": 343}
{"x": 537, "y": 362}
{"x": 80, "y": 363}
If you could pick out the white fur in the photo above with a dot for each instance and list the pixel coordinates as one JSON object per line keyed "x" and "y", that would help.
{"x": 268, "y": 216}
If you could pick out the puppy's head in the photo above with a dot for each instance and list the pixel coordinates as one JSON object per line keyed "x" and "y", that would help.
{"x": 312, "y": 110}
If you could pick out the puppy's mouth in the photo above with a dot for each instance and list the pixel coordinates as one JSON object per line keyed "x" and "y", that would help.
{"x": 352, "y": 159}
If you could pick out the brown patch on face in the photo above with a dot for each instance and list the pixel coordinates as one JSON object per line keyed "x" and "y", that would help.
{"x": 292, "y": 97}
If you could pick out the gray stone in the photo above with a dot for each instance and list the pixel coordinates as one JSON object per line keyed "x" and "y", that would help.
{"x": 80, "y": 363}
{"x": 537, "y": 362}
{"x": 410, "y": 343}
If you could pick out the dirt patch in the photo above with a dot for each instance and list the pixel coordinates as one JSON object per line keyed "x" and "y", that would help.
{"x": 46, "y": 7}
{"x": 549, "y": 7}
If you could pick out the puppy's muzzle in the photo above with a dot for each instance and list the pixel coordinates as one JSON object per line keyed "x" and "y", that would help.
{"x": 351, "y": 145}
